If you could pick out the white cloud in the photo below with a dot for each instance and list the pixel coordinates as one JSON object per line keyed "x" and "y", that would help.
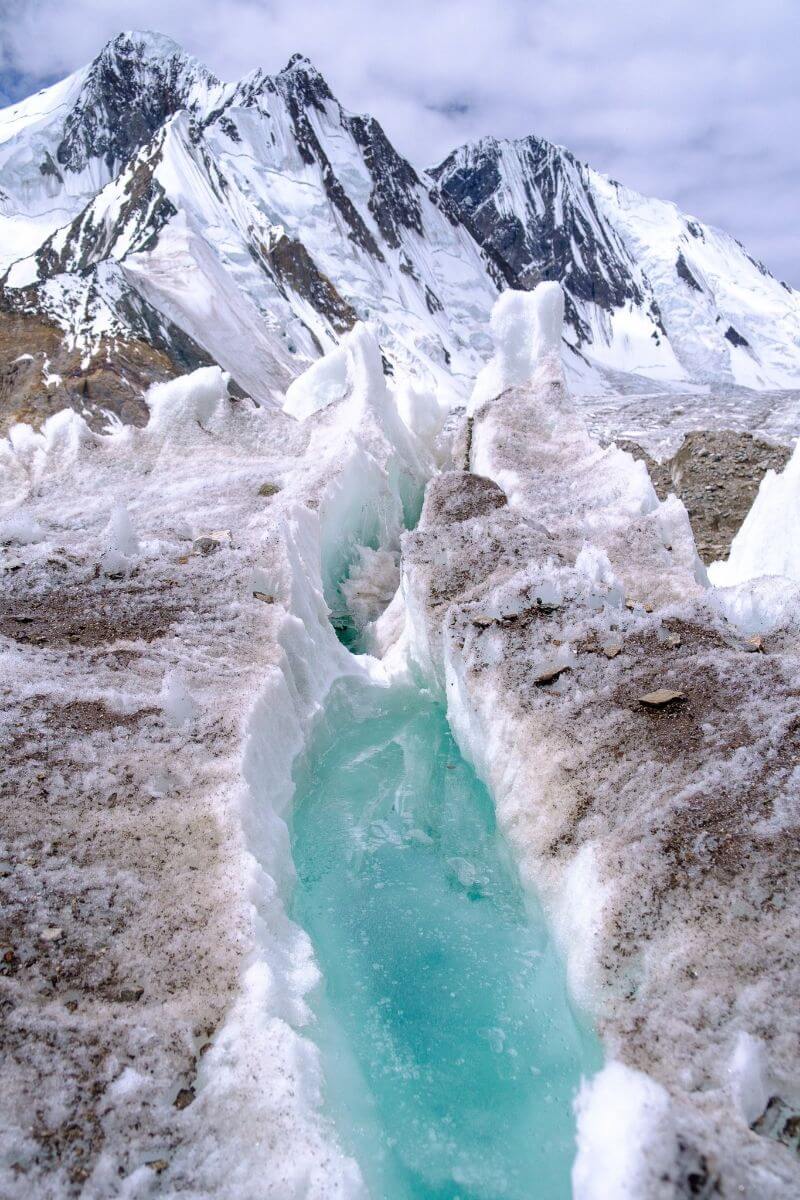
{"x": 688, "y": 101}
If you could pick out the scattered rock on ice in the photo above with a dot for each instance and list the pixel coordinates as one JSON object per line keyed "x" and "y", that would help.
{"x": 184, "y": 1098}
{"x": 661, "y": 697}
{"x": 549, "y": 673}
{"x": 716, "y": 473}
{"x": 780, "y": 1121}
{"x": 210, "y": 543}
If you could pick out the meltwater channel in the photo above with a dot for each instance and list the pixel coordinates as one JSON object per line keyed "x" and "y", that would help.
{"x": 452, "y": 1053}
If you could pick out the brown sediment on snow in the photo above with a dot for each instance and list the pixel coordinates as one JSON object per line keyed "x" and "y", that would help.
{"x": 152, "y": 701}
{"x": 664, "y": 837}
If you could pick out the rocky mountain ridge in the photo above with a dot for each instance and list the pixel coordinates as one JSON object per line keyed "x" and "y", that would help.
{"x": 648, "y": 288}
{"x": 144, "y": 202}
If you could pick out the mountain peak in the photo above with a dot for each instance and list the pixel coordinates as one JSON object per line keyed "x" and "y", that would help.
{"x": 303, "y": 78}
{"x": 494, "y": 148}
{"x": 137, "y": 81}
{"x": 116, "y": 161}
{"x": 300, "y": 62}
{"x": 156, "y": 45}
{"x": 150, "y": 52}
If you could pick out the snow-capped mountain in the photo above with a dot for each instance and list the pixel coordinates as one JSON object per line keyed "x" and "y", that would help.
{"x": 61, "y": 146}
{"x": 649, "y": 289}
{"x": 153, "y": 218}
{"x": 259, "y": 218}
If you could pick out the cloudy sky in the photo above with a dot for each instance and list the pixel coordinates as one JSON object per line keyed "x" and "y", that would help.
{"x": 696, "y": 101}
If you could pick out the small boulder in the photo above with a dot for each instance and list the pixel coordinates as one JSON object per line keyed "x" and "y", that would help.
{"x": 661, "y": 697}
{"x": 210, "y": 543}
{"x": 184, "y": 1098}
{"x": 549, "y": 673}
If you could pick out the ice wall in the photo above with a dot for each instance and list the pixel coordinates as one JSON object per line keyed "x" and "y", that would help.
{"x": 175, "y": 577}
{"x": 767, "y": 543}
{"x": 629, "y": 735}
{"x": 526, "y": 330}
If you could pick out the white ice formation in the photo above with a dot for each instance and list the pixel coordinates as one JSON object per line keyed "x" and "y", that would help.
{"x": 545, "y": 591}
{"x": 768, "y": 543}
{"x": 658, "y": 838}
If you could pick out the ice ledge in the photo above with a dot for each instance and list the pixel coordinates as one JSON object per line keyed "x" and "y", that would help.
{"x": 658, "y": 834}
{"x": 164, "y": 646}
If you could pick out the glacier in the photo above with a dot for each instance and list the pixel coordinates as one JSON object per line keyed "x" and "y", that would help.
{"x": 264, "y": 383}
{"x": 543, "y": 591}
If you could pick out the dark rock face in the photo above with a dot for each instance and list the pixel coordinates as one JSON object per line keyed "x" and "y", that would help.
{"x": 394, "y": 199}
{"x": 562, "y": 237}
{"x": 128, "y": 95}
{"x": 735, "y": 338}
{"x": 307, "y": 82}
{"x": 292, "y": 266}
{"x": 40, "y": 374}
{"x": 394, "y": 202}
{"x": 141, "y": 209}
{"x": 682, "y": 267}
{"x": 303, "y": 88}
{"x": 472, "y": 189}
{"x": 717, "y": 475}
{"x": 144, "y": 211}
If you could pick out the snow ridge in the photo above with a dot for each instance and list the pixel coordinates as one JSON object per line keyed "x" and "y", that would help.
{"x": 648, "y": 288}
{"x": 261, "y": 220}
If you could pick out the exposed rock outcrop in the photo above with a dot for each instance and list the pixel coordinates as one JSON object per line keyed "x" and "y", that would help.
{"x": 716, "y": 473}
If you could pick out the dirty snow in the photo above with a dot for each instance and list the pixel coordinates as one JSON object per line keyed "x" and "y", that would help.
{"x": 158, "y": 679}
{"x": 665, "y": 842}
{"x": 165, "y": 645}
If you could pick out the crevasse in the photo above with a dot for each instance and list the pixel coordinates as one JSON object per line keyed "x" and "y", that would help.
{"x": 452, "y": 1053}
{"x": 450, "y": 1048}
